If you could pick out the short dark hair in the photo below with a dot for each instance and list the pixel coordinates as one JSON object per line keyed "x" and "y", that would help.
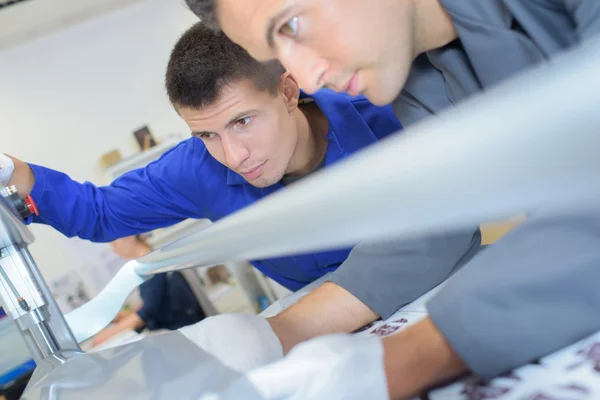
{"x": 206, "y": 10}
{"x": 204, "y": 61}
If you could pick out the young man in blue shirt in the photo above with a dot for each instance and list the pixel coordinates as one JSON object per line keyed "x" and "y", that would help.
{"x": 254, "y": 131}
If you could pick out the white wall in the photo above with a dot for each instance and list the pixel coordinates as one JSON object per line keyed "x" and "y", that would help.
{"x": 74, "y": 94}
{"x": 28, "y": 19}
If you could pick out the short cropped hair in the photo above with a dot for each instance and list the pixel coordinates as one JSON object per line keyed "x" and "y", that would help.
{"x": 204, "y": 61}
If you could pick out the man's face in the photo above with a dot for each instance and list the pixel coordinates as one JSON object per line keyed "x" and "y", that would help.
{"x": 355, "y": 46}
{"x": 249, "y": 131}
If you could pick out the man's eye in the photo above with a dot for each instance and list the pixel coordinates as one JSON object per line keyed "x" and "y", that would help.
{"x": 207, "y": 135}
{"x": 244, "y": 121}
{"x": 290, "y": 28}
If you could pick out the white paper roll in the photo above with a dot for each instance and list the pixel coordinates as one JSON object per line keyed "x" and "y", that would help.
{"x": 96, "y": 314}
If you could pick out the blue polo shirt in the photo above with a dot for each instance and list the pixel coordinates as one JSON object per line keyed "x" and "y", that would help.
{"x": 187, "y": 182}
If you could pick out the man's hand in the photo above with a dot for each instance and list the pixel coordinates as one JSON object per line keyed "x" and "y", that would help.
{"x": 419, "y": 357}
{"x": 16, "y": 172}
{"x": 130, "y": 247}
{"x": 332, "y": 367}
{"x": 130, "y": 322}
{"x": 121, "y": 315}
{"x": 328, "y": 309}
{"x": 240, "y": 341}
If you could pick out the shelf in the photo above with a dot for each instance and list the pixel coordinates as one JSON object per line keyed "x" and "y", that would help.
{"x": 217, "y": 291}
{"x": 139, "y": 160}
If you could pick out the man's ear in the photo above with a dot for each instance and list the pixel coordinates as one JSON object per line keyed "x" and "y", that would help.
{"x": 289, "y": 90}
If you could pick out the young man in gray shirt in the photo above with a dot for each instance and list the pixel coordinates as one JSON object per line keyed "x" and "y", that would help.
{"x": 424, "y": 56}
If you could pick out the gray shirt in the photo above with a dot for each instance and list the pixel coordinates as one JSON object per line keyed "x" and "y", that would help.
{"x": 535, "y": 291}
{"x": 388, "y": 275}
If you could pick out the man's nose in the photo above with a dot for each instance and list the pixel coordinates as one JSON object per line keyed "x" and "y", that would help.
{"x": 234, "y": 150}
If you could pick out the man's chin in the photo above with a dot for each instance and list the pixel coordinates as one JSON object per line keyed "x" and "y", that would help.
{"x": 380, "y": 97}
{"x": 262, "y": 182}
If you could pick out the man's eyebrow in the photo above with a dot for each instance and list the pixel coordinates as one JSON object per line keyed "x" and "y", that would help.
{"x": 238, "y": 116}
{"x": 269, "y": 37}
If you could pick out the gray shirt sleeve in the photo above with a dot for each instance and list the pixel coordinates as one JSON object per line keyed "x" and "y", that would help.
{"x": 586, "y": 16}
{"x": 531, "y": 293}
{"x": 388, "y": 275}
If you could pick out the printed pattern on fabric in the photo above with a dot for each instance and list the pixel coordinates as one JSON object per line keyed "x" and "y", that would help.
{"x": 572, "y": 373}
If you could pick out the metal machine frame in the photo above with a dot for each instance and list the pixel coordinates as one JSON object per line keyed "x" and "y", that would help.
{"x": 24, "y": 293}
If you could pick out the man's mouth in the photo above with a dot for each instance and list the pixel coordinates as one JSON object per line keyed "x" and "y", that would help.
{"x": 254, "y": 172}
{"x": 351, "y": 86}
